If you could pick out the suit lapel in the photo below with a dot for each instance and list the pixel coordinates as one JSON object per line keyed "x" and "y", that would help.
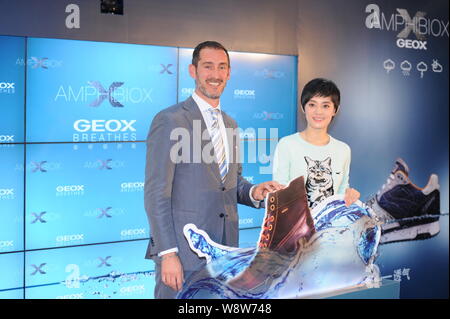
{"x": 192, "y": 115}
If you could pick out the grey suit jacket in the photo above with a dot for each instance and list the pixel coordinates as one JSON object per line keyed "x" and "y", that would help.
{"x": 190, "y": 191}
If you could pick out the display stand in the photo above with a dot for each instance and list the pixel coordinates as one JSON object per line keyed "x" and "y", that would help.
{"x": 389, "y": 289}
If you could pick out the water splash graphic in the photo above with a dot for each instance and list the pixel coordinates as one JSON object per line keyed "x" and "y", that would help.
{"x": 339, "y": 255}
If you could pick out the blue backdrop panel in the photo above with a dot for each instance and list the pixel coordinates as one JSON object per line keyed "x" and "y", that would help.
{"x": 78, "y": 194}
{"x": 90, "y": 272}
{"x": 261, "y": 92}
{"x": 249, "y": 237}
{"x": 84, "y": 193}
{"x": 12, "y": 88}
{"x": 11, "y": 197}
{"x": 12, "y": 294}
{"x": 90, "y": 91}
{"x": 256, "y": 156}
{"x": 11, "y": 273}
{"x": 394, "y": 104}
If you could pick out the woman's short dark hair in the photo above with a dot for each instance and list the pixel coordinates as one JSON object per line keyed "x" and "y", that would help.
{"x": 321, "y": 87}
{"x": 207, "y": 44}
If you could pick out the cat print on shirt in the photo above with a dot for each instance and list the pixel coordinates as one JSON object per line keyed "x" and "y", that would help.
{"x": 319, "y": 181}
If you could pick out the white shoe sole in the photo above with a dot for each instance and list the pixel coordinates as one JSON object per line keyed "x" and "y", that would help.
{"x": 411, "y": 233}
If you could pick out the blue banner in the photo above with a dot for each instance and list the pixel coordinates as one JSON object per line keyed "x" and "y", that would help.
{"x": 84, "y": 193}
{"x": 12, "y": 88}
{"x": 261, "y": 92}
{"x": 75, "y": 187}
{"x": 96, "y": 92}
{"x": 109, "y": 271}
{"x": 11, "y": 197}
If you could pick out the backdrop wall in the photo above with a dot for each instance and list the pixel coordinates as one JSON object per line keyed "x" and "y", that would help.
{"x": 390, "y": 108}
{"x": 250, "y": 26}
{"x": 72, "y": 156}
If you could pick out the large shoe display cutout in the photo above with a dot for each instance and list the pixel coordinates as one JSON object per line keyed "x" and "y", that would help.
{"x": 300, "y": 253}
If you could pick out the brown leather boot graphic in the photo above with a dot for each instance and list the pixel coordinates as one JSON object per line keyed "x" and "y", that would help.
{"x": 287, "y": 221}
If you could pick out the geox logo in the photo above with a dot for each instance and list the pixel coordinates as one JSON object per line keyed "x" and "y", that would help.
{"x": 402, "y": 22}
{"x": 6, "y": 138}
{"x": 84, "y": 125}
{"x": 6, "y": 243}
{"x": 7, "y": 87}
{"x": 6, "y": 192}
{"x": 245, "y": 94}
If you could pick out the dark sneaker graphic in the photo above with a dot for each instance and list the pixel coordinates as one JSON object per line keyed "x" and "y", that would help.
{"x": 408, "y": 211}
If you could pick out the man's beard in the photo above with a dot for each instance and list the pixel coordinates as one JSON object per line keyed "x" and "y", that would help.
{"x": 206, "y": 93}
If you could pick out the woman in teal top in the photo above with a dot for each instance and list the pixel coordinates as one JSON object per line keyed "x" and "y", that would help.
{"x": 323, "y": 160}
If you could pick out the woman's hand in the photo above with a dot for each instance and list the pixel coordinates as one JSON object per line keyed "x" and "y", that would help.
{"x": 351, "y": 196}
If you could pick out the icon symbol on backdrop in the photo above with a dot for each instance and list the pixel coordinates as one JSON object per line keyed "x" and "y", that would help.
{"x": 422, "y": 67}
{"x": 104, "y": 261}
{"x": 104, "y": 164}
{"x": 389, "y": 65}
{"x": 39, "y": 166}
{"x": 104, "y": 212}
{"x": 406, "y": 67}
{"x": 38, "y": 269}
{"x": 39, "y": 62}
{"x": 165, "y": 68}
{"x": 436, "y": 66}
{"x": 38, "y": 217}
{"x": 104, "y": 94}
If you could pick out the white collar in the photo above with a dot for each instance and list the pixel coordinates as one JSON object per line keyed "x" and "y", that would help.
{"x": 202, "y": 104}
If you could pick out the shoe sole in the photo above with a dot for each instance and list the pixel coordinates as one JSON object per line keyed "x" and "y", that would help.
{"x": 411, "y": 233}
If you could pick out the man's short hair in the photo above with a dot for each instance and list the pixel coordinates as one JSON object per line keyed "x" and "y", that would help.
{"x": 207, "y": 44}
{"x": 321, "y": 87}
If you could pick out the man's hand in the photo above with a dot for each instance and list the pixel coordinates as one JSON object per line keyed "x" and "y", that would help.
{"x": 172, "y": 271}
{"x": 351, "y": 196}
{"x": 260, "y": 191}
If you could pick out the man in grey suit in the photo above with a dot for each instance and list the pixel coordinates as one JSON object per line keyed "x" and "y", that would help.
{"x": 193, "y": 174}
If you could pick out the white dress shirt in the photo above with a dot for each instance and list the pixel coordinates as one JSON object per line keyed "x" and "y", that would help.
{"x": 207, "y": 117}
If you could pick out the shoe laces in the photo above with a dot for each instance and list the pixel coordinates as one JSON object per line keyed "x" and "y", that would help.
{"x": 267, "y": 230}
{"x": 387, "y": 184}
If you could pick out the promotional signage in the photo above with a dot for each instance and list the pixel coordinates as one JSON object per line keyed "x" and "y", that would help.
{"x": 109, "y": 271}
{"x": 11, "y": 198}
{"x": 73, "y": 185}
{"x": 389, "y": 59}
{"x": 261, "y": 92}
{"x": 12, "y": 88}
{"x": 111, "y": 95}
{"x": 11, "y": 275}
{"x": 75, "y": 190}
